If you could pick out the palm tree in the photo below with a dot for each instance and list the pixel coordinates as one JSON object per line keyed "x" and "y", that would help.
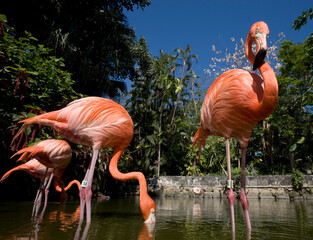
{"x": 186, "y": 58}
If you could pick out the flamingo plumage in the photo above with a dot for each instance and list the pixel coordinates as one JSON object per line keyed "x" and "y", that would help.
{"x": 235, "y": 103}
{"x": 97, "y": 122}
{"x": 45, "y": 160}
{"x": 38, "y": 170}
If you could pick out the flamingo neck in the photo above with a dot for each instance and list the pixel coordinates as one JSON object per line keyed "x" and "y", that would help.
{"x": 59, "y": 189}
{"x": 248, "y": 49}
{"x": 22, "y": 167}
{"x": 127, "y": 176}
{"x": 270, "y": 92}
{"x": 270, "y": 96}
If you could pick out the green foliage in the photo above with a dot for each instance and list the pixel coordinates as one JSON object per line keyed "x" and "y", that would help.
{"x": 163, "y": 110}
{"x": 190, "y": 166}
{"x": 302, "y": 20}
{"x": 32, "y": 81}
{"x": 91, "y": 36}
{"x": 291, "y": 120}
{"x": 297, "y": 179}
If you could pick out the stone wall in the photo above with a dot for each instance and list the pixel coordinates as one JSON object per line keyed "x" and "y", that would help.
{"x": 261, "y": 187}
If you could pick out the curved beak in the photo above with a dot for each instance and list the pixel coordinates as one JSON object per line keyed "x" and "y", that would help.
{"x": 261, "y": 49}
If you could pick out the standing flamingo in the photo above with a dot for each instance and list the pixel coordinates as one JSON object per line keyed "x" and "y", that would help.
{"x": 97, "y": 122}
{"x": 53, "y": 157}
{"x": 235, "y": 103}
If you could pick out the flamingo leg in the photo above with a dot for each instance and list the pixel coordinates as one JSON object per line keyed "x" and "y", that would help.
{"x": 230, "y": 192}
{"x": 243, "y": 197}
{"x": 37, "y": 202}
{"x": 47, "y": 192}
{"x": 85, "y": 191}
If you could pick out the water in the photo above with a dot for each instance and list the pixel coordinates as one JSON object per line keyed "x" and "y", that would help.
{"x": 177, "y": 218}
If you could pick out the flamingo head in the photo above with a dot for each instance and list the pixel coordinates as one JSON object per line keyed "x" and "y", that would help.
{"x": 259, "y": 33}
{"x": 147, "y": 207}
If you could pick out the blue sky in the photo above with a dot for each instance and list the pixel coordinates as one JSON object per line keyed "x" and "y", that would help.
{"x": 170, "y": 24}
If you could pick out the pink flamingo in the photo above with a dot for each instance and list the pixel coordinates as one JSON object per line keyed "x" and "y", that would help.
{"x": 47, "y": 159}
{"x": 97, "y": 122}
{"x": 235, "y": 103}
{"x": 38, "y": 170}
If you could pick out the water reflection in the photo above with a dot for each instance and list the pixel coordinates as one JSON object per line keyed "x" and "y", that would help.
{"x": 177, "y": 218}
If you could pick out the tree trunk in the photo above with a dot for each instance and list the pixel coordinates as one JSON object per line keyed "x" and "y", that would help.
{"x": 159, "y": 147}
{"x": 264, "y": 143}
{"x": 292, "y": 160}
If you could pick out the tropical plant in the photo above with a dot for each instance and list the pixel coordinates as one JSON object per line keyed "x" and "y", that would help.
{"x": 162, "y": 106}
{"x": 91, "y": 36}
{"x": 297, "y": 179}
{"x": 293, "y": 115}
{"x": 32, "y": 80}
{"x": 302, "y": 20}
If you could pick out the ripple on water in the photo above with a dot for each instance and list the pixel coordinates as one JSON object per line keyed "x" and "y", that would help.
{"x": 177, "y": 218}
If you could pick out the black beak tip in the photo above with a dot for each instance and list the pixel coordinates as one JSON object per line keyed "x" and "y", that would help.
{"x": 259, "y": 59}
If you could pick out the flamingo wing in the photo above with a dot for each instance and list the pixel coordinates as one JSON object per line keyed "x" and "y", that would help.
{"x": 229, "y": 107}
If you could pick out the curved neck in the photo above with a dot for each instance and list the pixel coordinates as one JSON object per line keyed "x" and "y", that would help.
{"x": 270, "y": 96}
{"x": 22, "y": 167}
{"x": 127, "y": 176}
{"x": 59, "y": 189}
{"x": 248, "y": 49}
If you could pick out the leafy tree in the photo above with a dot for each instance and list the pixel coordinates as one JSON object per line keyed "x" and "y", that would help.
{"x": 185, "y": 57}
{"x": 302, "y": 20}
{"x": 92, "y": 36}
{"x": 294, "y": 113}
{"x": 139, "y": 106}
{"x": 161, "y": 110}
{"x": 32, "y": 81}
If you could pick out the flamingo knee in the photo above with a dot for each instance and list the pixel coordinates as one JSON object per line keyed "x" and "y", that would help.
{"x": 244, "y": 200}
{"x": 231, "y": 196}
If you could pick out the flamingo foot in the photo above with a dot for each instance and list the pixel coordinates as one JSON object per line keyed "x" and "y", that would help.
{"x": 85, "y": 200}
{"x": 82, "y": 194}
{"x": 45, "y": 204}
{"x": 37, "y": 203}
{"x": 245, "y": 207}
{"x": 88, "y": 204}
{"x": 231, "y": 199}
{"x": 46, "y": 197}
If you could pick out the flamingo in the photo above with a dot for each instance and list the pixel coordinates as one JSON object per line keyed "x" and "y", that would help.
{"x": 38, "y": 170}
{"x": 58, "y": 181}
{"x": 97, "y": 122}
{"x": 53, "y": 157}
{"x": 235, "y": 103}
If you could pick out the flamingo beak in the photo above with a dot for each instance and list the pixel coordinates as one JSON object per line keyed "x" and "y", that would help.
{"x": 261, "y": 49}
{"x": 151, "y": 218}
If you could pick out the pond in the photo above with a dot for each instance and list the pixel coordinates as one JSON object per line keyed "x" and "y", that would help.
{"x": 177, "y": 218}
